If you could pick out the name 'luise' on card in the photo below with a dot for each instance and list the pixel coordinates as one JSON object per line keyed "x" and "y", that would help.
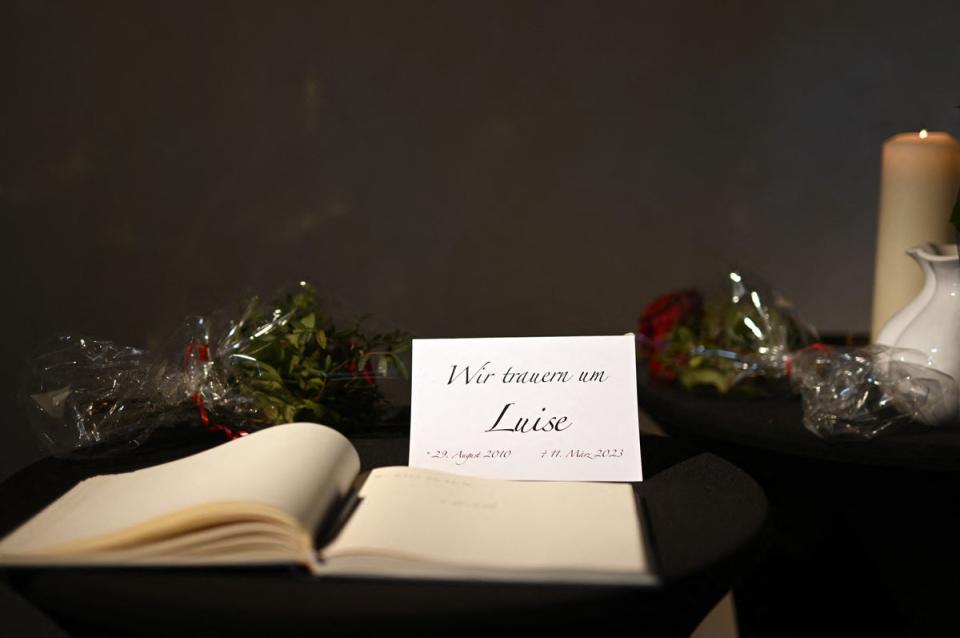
{"x": 531, "y": 408}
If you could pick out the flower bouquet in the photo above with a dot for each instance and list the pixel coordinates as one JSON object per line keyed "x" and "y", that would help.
{"x": 230, "y": 373}
{"x": 736, "y": 342}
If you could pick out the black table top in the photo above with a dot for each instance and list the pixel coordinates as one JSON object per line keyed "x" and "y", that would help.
{"x": 862, "y": 534}
{"x": 705, "y": 516}
{"x": 776, "y": 425}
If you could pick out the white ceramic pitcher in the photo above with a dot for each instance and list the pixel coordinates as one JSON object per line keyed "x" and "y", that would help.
{"x": 891, "y": 330}
{"x": 931, "y": 337}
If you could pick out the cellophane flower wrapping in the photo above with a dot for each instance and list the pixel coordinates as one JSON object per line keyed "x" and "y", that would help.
{"x": 736, "y": 340}
{"x": 228, "y": 372}
{"x": 858, "y": 393}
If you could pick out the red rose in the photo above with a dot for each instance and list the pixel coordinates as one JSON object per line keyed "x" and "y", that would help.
{"x": 662, "y": 316}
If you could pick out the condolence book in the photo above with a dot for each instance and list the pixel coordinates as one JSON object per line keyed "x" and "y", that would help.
{"x": 291, "y": 494}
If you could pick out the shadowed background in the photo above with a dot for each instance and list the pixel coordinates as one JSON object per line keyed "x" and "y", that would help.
{"x": 456, "y": 169}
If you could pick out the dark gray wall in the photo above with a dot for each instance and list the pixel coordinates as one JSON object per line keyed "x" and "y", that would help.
{"x": 456, "y": 168}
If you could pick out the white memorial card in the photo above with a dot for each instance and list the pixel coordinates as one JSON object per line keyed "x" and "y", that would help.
{"x": 530, "y": 408}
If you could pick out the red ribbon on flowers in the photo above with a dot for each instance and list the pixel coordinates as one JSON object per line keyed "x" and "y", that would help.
{"x": 365, "y": 373}
{"x": 203, "y": 353}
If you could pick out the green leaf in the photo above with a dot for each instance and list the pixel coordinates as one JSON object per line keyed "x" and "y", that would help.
{"x": 691, "y": 378}
{"x": 293, "y": 363}
{"x": 293, "y": 339}
{"x": 267, "y": 371}
{"x": 401, "y": 366}
{"x": 296, "y": 348}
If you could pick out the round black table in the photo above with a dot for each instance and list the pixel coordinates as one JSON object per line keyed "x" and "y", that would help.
{"x": 706, "y": 520}
{"x": 776, "y": 425}
{"x": 863, "y": 534}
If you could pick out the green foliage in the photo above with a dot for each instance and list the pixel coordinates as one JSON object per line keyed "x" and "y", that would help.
{"x": 732, "y": 347}
{"x": 300, "y": 366}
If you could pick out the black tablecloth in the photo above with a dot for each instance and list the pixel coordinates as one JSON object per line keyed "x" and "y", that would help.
{"x": 776, "y": 424}
{"x": 705, "y": 515}
{"x": 863, "y": 535}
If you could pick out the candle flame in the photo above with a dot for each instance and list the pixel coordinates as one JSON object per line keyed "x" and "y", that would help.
{"x": 923, "y": 134}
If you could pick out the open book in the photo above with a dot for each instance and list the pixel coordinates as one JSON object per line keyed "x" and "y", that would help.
{"x": 267, "y": 498}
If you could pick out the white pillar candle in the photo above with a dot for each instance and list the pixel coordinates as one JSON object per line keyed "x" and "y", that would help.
{"x": 918, "y": 186}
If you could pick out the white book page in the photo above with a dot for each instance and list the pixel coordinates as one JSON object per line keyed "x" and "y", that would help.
{"x": 301, "y": 469}
{"x": 444, "y": 518}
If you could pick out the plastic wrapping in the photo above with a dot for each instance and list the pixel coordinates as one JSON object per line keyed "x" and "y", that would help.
{"x": 739, "y": 340}
{"x": 857, "y": 393}
{"x": 268, "y": 364}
